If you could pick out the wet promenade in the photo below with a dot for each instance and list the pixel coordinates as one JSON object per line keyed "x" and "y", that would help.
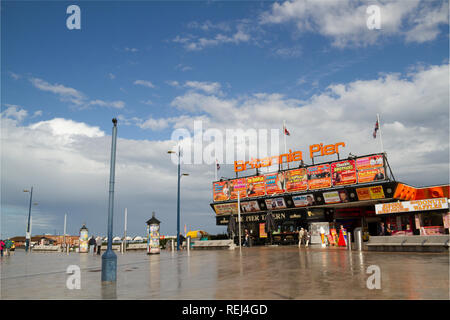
{"x": 256, "y": 273}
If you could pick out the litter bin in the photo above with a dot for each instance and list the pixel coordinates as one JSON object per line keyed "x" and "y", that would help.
{"x": 358, "y": 239}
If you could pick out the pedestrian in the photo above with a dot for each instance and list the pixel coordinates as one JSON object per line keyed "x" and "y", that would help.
{"x": 307, "y": 237}
{"x": 246, "y": 239}
{"x": 8, "y": 245}
{"x": 99, "y": 245}
{"x": 2, "y": 246}
{"x": 182, "y": 239}
{"x": 92, "y": 244}
{"x": 301, "y": 234}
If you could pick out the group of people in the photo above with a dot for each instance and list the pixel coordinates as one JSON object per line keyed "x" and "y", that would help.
{"x": 5, "y": 246}
{"x": 95, "y": 245}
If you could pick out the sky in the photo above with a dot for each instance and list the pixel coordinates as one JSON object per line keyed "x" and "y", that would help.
{"x": 161, "y": 66}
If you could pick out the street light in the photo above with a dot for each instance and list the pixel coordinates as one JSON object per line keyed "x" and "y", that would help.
{"x": 28, "y": 235}
{"x": 178, "y": 194}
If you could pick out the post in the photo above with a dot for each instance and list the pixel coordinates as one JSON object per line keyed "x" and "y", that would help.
{"x": 125, "y": 233}
{"x": 349, "y": 241}
{"x": 239, "y": 217}
{"x": 285, "y": 145}
{"x": 188, "y": 243}
{"x": 109, "y": 258}
{"x": 172, "y": 245}
{"x": 65, "y": 221}
{"x": 28, "y": 233}
{"x": 178, "y": 201}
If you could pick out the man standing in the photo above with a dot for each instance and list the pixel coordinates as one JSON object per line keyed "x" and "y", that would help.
{"x": 99, "y": 245}
{"x": 301, "y": 234}
{"x": 92, "y": 244}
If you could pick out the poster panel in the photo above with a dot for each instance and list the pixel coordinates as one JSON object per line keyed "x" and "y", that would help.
{"x": 343, "y": 172}
{"x": 250, "y": 206}
{"x": 371, "y": 175}
{"x": 238, "y": 185}
{"x": 221, "y": 190}
{"x": 296, "y": 180}
{"x": 370, "y": 162}
{"x": 339, "y": 196}
{"x": 256, "y": 186}
{"x": 275, "y": 183}
{"x": 226, "y": 208}
{"x": 275, "y": 203}
{"x": 304, "y": 200}
{"x": 319, "y": 177}
{"x": 262, "y": 230}
{"x": 370, "y": 193}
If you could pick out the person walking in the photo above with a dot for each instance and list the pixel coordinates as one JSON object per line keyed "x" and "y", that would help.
{"x": 246, "y": 239}
{"x": 99, "y": 245}
{"x": 92, "y": 244}
{"x": 2, "y": 246}
{"x": 307, "y": 237}
{"x": 301, "y": 235}
{"x": 8, "y": 245}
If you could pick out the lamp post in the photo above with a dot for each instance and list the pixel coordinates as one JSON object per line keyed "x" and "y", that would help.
{"x": 178, "y": 194}
{"x": 109, "y": 258}
{"x": 28, "y": 234}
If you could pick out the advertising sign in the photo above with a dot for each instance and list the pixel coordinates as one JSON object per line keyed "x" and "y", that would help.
{"x": 249, "y": 206}
{"x": 343, "y": 172}
{"x": 256, "y": 186}
{"x": 238, "y": 185}
{"x": 370, "y": 169}
{"x": 296, "y": 180}
{"x": 275, "y": 183}
{"x": 319, "y": 177}
{"x": 339, "y": 196}
{"x": 262, "y": 230}
{"x": 304, "y": 200}
{"x": 84, "y": 245}
{"x": 411, "y": 206}
{"x": 226, "y": 208}
{"x": 370, "y": 193}
{"x": 275, "y": 203}
{"x": 153, "y": 239}
{"x": 221, "y": 190}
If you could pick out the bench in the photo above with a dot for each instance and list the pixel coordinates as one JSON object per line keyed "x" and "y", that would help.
{"x": 409, "y": 243}
{"x": 46, "y": 248}
{"x": 214, "y": 244}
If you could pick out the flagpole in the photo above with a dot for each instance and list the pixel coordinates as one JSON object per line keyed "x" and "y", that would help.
{"x": 379, "y": 128}
{"x": 215, "y": 171}
{"x": 239, "y": 217}
{"x": 284, "y": 133}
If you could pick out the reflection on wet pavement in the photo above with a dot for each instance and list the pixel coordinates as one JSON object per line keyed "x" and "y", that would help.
{"x": 250, "y": 273}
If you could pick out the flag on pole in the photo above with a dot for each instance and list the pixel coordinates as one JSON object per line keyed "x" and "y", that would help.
{"x": 375, "y": 130}
{"x": 286, "y": 132}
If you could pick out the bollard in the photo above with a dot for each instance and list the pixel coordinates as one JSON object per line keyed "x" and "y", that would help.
{"x": 172, "y": 244}
{"x": 358, "y": 239}
{"x": 349, "y": 241}
{"x": 188, "y": 243}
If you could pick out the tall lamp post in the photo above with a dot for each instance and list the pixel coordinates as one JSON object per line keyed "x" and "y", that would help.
{"x": 178, "y": 195}
{"x": 109, "y": 258}
{"x": 28, "y": 233}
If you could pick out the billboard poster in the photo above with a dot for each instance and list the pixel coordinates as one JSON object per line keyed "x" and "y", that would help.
{"x": 226, "y": 208}
{"x": 256, "y": 186}
{"x": 153, "y": 239}
{"x": 304, "y": 200}
{"x": 371, "y": 175}
{"x": 319, "y": 177}
{"x": 296, "y": 180}
{"x": 339, "y": 196}
{"x": 221, "y": 190}
{"x": 275, "y": 183}
{"x": 262, "y": 230}
{"x": 275, "y": 203}
{"x": 238, "y": 185}
{"x": 343, "y": 172}
{"x": 370, "y": 193}
{"x": 369, "y": 162}
{"x": 249, "y": 206}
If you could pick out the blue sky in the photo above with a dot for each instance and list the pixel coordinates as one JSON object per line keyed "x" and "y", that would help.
{"x": 160, "y": 65}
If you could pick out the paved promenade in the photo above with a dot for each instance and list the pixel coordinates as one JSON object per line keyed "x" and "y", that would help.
{"x": 256, "y": 273}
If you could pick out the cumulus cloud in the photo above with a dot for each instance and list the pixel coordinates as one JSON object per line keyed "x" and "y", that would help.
{"x": 15, "y": 112}
{"x": 345, "y": 21}
{"x": 207, "y": 87}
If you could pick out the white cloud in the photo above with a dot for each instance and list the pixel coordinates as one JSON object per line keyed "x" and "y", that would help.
{"x": 147, "y": 102}
{"x": 14, "y": 111}
{"x": 67, "y": 128}
{"x": 183, "y": 68}
{"x": 154, "y": 124}
{"x": 15, "y": 76}
{"x": 131, "y": 49}
{"x": 111, "y": 76}
{"x": 344, "y": 21}
{"x": 66, "y": 93}
{"x": 113, "y": 104}
{"x": 173, "y": 83}
{"x": 37, "y": 113}
{"x": 144, "y": 83}
{"x": 207, "y": 87}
